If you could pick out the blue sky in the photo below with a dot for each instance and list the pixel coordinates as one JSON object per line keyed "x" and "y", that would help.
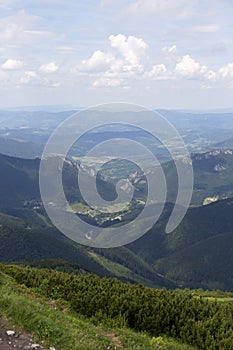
{"x": 157, "y": 53}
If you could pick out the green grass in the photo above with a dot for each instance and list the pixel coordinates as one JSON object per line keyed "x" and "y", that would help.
{"x": 53, "y": 324}
{"x": 221, "y": 300}
{"x": 219, "y": 296}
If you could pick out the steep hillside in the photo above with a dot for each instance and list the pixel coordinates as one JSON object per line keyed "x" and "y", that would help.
{"x": 198, "y": 252}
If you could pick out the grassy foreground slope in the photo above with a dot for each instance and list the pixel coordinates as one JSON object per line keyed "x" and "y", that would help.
{"x": 53, "y": 323}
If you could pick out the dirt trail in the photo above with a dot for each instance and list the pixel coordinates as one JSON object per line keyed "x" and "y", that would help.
{"x": 22, "y": 341}
{"x": 114, "y": 339}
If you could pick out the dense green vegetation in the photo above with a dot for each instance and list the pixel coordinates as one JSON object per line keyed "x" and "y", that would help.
{"x": 55, "y": 323}
{"x": 192, "y": 318}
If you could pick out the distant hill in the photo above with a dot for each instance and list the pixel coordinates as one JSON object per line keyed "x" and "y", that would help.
{"x": 226, "y": 144}
{"x": 20, "y": 148}
{"x": 212, "y": 177}
{"x": 200, "y": 131}
{"x": 32, "y": 119}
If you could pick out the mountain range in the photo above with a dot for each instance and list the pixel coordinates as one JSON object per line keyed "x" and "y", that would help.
{"x": 197, "y": 254}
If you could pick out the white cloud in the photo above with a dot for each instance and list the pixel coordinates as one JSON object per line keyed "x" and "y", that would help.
{"x": 113, "y": 67}
{"x": 125, "y": 61}
{"x": 11, "y": 64}
{"x": 98, "y": 62}
{"x": 23, "y": 29}
{"x": 108, "y": 82}
{"x": 170, "y": 50}
{"x": 32, "y": 78}
{"x": 158, "y": 72}
{"x": 189, "y": 68}
{"x": 211, "y": 75}
{"x": 226, "y": 72}
{"x": 132, "y": 48}
{"x": 49, "y": 68}
{"x": 28, "y": 77}
{"x": 14, "y": 27}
